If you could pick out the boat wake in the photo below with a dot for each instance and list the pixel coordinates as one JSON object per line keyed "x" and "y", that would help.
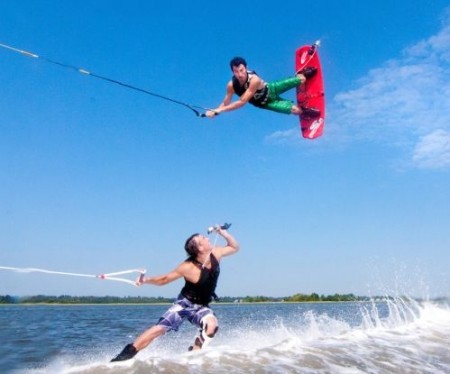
{"x": 393, "y": 336}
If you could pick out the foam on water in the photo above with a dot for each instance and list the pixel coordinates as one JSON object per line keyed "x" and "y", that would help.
{"x": 397, "y": 336}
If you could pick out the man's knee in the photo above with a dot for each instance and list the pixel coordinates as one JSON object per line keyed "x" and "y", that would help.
{"x": 295, "y": 110}
{"x": 208, "y": 329}
{"x": 209, "y": 325}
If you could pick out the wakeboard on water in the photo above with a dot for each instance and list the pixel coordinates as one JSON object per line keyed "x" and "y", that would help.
{"x": 311, "y": 94}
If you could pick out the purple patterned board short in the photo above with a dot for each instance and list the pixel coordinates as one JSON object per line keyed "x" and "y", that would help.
{"x": 181, "y": 310}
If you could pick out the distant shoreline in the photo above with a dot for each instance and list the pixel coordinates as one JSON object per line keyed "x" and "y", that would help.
{"x": 135, "y": 300}
{"x": 63, "y": 300}
{"x": 169, "y": 303}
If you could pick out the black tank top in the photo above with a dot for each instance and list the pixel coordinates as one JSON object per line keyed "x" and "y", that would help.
{"x": 203, "y": 292}
{"x": 259, "y": 98}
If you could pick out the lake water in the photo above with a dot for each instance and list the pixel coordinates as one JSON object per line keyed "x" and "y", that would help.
{"x": 385, "y": 337}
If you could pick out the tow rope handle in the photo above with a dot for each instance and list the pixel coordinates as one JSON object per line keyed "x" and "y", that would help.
{"x": 112, "y": 276}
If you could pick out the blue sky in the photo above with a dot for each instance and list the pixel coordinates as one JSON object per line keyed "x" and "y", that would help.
{"x": 96, "y": 178}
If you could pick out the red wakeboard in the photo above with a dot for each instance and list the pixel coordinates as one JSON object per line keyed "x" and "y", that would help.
{"x": 311, "y": 93}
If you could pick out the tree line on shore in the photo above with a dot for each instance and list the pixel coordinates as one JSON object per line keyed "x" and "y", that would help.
{"x": 67, "y": 299}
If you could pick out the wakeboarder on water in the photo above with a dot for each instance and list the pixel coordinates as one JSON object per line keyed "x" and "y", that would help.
{"x": 201, "y": 272}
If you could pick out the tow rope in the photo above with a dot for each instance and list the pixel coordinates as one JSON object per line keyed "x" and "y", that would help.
{"x": 108, "y": 276}
{"x": 195, "y": 108}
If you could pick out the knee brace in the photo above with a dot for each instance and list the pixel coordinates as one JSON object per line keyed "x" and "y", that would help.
{"x": 203, "y": 339}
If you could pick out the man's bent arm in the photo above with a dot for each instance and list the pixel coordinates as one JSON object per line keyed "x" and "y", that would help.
{"x": 232, "y": 244}
{"x": 161, "y": 280}
{"x": 227, "y": 105}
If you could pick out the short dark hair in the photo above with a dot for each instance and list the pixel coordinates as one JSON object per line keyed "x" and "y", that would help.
{"x": 191, "y": 246}
{"x": 236, "y": 61}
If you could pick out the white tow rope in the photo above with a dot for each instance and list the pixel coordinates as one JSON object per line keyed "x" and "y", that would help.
{"x": 107, "y": 276}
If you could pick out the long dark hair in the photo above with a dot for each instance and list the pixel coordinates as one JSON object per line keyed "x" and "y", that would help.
{"x": 191, "y": 246}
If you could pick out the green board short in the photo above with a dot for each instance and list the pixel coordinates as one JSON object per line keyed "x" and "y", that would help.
{"x": 276, "y": 103}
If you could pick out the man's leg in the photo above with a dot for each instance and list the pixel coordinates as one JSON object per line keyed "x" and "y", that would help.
{"x": 278, "y": 87}
{"x": 280, "y": 105}
{"x": 208, "y": 329}
{"x": 148, "y": 336}
{"x": 130, "y": 350}
{"x": 170, "y": 320}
